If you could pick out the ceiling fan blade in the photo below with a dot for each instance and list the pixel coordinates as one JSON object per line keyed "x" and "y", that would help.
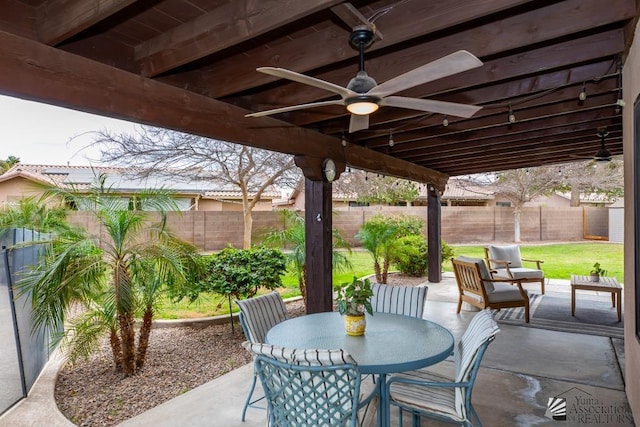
{"x": 431, "y": 105}
{"x": 307, "y": 80}
{"x": 295, "y": 107}
{"x": 454, "y": 63}
{"x": 358, "y": 122}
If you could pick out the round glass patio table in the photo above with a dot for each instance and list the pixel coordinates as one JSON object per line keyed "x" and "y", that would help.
{"x": 392, "y": 343}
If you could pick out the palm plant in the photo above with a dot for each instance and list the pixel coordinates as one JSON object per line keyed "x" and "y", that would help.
{"x": 115, "y": 276}
{"x": 291, "y": 239}
{"x": 379, "y": 237}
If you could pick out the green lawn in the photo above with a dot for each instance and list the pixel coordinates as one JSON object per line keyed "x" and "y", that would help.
{"x": 560, "y": 261}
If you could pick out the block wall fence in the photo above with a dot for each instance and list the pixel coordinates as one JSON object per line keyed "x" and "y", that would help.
{"x": 211, "y": 231}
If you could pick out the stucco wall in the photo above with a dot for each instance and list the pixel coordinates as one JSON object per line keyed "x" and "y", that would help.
{"x": 631, "y": 90}
{"x": 16, "y": 189}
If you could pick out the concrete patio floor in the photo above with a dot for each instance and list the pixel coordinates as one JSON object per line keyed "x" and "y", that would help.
{"x": 521, "y": 370}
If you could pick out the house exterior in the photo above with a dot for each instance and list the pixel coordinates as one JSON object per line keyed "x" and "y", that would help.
{"x": 190, "y": 195}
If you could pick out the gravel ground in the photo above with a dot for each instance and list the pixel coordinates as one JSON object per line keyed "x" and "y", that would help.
{"x": 90, "y": 393}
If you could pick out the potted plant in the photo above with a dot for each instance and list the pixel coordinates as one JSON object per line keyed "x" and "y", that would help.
{"x": 596, "y": 272}
{"x": 353, "y": 299}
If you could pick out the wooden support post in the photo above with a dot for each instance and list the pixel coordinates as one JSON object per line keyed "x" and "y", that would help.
{"x": 434, "y": 234}
{"x": 318, "y": 235}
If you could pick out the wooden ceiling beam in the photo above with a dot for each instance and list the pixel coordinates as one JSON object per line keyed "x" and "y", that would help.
{"x": 38, "y": 72}
{"x": 232, "y": 23}
{"x": 523, "y": 158}
{"x": 538, "y": 26}
{"x": 562, "y": 111}
{"x": 582, "y": 50}
{"x": 58, "y": 20}
{"x": 434, "y": 129}
{"x": 331, "y": 45}
{"x": 577, "y": 137}
{"x": 391, "y": 118}
{"x": 511, "y": 77}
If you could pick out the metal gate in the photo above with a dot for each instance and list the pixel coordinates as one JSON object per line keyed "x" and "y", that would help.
{"x": 23, "y": 352}
{"x": 595, "y": 223}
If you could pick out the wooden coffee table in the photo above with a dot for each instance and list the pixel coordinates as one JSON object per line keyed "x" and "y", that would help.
{"x": 606, "y": 284}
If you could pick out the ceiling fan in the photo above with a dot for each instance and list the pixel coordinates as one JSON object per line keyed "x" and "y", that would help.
{"x": 602, "y": 155}
{"x": 363, "y": 96}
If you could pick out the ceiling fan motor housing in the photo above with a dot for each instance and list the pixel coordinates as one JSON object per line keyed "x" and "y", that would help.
{"x": 362, "y": 83}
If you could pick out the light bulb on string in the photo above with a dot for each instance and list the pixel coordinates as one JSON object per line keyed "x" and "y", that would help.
{"x": 391, "y": 141}
{"x": 512, "y": 117}
{"x": 445, "y": 121}
{"x": 583, "y": 93}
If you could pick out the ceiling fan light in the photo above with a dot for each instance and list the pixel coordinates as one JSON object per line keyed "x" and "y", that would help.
{"x": 362, "y": 105}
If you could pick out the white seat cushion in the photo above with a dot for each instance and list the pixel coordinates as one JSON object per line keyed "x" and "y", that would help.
{"x": 519, "y": 273}
{"x": 509, "y": 253}
{"x": 504, "y": 292}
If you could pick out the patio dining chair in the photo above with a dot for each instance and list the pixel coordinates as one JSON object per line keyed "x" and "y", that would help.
{"x": 431, "y": 395}
{"x": 257, "y": 316}
{"x": 478, "y": 288}
{"x": 406, "y": 300}
{"x": 309, "y": 387}
{"x": 505, "y": 262}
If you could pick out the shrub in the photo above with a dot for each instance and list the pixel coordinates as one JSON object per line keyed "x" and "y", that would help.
{"x": 447, "y": 251}
{"x": 411, "y": 256}
{"x": 241, "y": 272}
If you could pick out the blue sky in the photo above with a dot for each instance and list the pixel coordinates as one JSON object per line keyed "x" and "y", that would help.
{"x": 43, "y": 134}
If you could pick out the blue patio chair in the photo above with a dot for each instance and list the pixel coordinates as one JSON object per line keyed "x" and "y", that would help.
{"x": 431, "y": 395}
{"x": 406, "y": 300}
{"x": 257, "y": 316}
{"x": 310, "y": 387}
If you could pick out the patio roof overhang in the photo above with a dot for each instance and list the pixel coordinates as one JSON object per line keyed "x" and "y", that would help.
{"x": 190, "y": 65}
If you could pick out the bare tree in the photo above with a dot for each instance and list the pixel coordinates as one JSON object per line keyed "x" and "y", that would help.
{"x": 519, "y": 186}
{"x": 591, "y": 177}
{"x": 366, "y": 187}
{"x": 156, "y": 151}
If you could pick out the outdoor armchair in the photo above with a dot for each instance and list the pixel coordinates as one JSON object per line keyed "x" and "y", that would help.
{"x": 406, "y": 300}
{"x": 431, "y": 395}
{"x": 257, "y": 316}
{"x": 505, "y": 262}
{"x": 478, "y": 288}
{"x": 309, "y": 387}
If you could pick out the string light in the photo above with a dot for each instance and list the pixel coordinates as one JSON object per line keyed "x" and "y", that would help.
{"x": 512, "y": 117}
{"x": 391, "y": 141}
{"x": 445, "y": 121}
{"x": 620, "y": 101}
{"x": 344, "y": 141}
{"x": 583, "y": 93}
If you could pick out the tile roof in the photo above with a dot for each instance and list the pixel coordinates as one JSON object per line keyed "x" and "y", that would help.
{"x": 123, "y": 180}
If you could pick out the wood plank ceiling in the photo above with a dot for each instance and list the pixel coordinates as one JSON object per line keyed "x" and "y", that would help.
{"x": 191, "y": 65}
